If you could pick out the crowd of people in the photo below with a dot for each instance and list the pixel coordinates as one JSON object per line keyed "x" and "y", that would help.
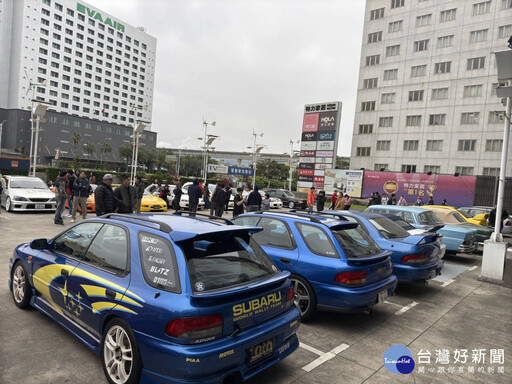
{"x": 339, "y": 201}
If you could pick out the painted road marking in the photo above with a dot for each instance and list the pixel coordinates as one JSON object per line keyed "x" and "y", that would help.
{"x": 473, "y": 268}
{"x": 311, "y": 349}
{"x": 389, "y": 302}
{"x": 406, "y": 308}
{"x": 325, "y": 357}
{"x": 447, "y": 283}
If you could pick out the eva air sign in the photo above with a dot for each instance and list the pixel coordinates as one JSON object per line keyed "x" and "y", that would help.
{"x": 97, "y": 16}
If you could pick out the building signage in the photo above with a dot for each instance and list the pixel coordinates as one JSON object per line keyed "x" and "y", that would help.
{"x": 216, "y": 168}
{"x": 310, "y": 123}
{"x": 325, "y": 145}
{"x": 306, "y": 172}
{"x": 308, "y": 145}
{"x": 307, "y": 160}
{"x": 307, "y": 153}
{"x": 327, "y": 121}
{"x": 334, "y": 106}
{"x": 306, "y": 166}
{"x": 346, "y": 181}
{"x": 318, "y": 179}
{"x": 306, "y": 178}
{"x": 319, "y": 172}
{"x": 329, "y": 154}
{"x": 323, "y": 166}
{"x": 326, "y": 136}
{"x": 97, "y": 16}
{"x": 309, "y": 136}
{"x": 239, "y": 171}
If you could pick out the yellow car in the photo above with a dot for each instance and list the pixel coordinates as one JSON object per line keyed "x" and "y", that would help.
{"x": 152, "y": 203}
{"x": 473, "y": 220}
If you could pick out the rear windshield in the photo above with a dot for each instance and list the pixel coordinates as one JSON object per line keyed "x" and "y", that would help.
{"x": 388, "y": 228}
{"x": 226, "y": 262}
{"x": 458, "y": 217}
{"x": 429, "y": 218}
{"x": 404, "y": 224}
{"x": 356, "y": 243}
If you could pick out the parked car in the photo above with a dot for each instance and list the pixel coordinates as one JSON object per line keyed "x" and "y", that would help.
{"x": 469, "y": 219}
{"x": 152, "y": 203}
{"x": 23, "y": 193}
{"x": 155, "y": 190}
{"x": 162, "y": 296}
{"x": 482, "y": 213}
{"x": 288, "y": 198}
{"x": 449, "y": 216}
{"x": 457, "y": 238}
{"x": 414, "y": 257}
{"x": 414, "y": 231}
{"x": 335, "y": 265}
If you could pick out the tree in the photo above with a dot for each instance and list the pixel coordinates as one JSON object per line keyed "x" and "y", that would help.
{"x": 75, "y": 140}
{"x": 89, "y": 149}
{"x": 342, "y": 163}
{"x": 191, "y": 165}
{"x": 271, "y": 169}
{"x": 105, "y": 149}
{"x": 125, "y": 151}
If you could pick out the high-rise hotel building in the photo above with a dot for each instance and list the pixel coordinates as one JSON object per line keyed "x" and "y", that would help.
{"x": 96, "y": 71}
{"x": 426, "y": 98}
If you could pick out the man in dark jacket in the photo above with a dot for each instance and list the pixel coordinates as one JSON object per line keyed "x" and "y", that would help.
{"x": 61, "y": 195}
{"x": 139, "y": 189}
{"x": 126, "y": 196}
{"x": 105, "y": 200}
{"x": 491, "y": 221}
{"x": 71, "y": 192}
{"x": 218, "y": 200}
{"x": 194, "y": 194}
{"x": 81, "y": 191}
{"x": 254, "y": 200}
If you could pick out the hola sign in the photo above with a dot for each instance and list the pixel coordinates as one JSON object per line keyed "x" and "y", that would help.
{"x": 96, "y": 15}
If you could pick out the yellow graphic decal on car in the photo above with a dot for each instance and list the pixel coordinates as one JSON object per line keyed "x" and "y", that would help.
{"x": 255, "y": 306}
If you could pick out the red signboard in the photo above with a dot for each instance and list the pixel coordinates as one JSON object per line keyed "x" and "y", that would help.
{"x": 310, "y": 123}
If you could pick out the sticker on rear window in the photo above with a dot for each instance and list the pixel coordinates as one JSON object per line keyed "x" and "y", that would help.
{"x": 199, "y": 286}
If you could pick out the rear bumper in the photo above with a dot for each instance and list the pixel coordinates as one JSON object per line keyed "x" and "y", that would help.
{"x": 337, "y": 298}
{"x": 207, "y": 363}
{"x": 418, "y": 272}
{"x": 468, "y": 248}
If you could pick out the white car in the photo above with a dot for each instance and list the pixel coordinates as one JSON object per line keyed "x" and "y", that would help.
{"x": 184, "y": 196}
{"x": 22, "y": 193}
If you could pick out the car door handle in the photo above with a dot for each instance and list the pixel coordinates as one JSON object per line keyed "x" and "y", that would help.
{"x": 110, "y": 293}
{"x": 64, "y": 272}
{"x": 285, "y": 260}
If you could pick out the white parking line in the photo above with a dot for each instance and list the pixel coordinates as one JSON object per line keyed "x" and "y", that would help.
{"x": 473, "y": 268}
{"x": 389, "y": 302}
{"x": 406, "y": 308}
{"x": 325, "y": 357}
{"x": 311, "y": 349}
{"x": 447, "y": 283}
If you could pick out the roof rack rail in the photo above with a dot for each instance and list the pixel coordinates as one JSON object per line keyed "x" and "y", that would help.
{"x": 335, "y": 214}
{"x": 138, "y": 219}
{"x": 292, "y": 212}
{"x": 211, "y": 217}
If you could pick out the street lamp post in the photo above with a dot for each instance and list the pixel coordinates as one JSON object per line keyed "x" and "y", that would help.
{"x": 207, "y": 141}
{"x": 137, "y": 133}
{"x": 1, "y": 131}
{"x": 39, "y": 112}
{"x": 256, "y": 149}
{"x": 32, "y": 86}
{"x": 292, "y": 152}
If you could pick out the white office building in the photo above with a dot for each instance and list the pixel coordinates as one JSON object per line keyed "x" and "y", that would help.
{"x": 426, "y": 98}
{"x": 97, "y": 71}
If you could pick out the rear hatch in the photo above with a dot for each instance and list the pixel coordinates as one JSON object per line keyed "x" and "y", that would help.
{"x": 427, "y": 244}
{"x": 234, "y": 283}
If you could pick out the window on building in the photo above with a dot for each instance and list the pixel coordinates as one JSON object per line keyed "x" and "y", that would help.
{"x": 370, "y": 83}
{"x": 393, "y": 50}
{"x": 380, "y": 166}
{"x": 434, "y": 145}
{"x": 478, "y": 36}
{"x": 367, "y": 106}
{"x": 386, "y": 121}
{"x": 493, "y": 145}
{"x": 473, "y": 90}
{"x": 395, "y": 26}
{"x": 437, "y": 119}
{"x": 505, "y": 31}
{"x": 506, "y": 4}
{"x": 413, "y": 120}
{"x": 466, "y": 145}
{"x": 397, "y": 3}
{"x": 365, "y": 129}
{"x": 491, "y": 171}
{"x": 481, "y": 8}
{"x": 374, "y": 37}
{"x": 388, "y": 98}
{"x": 439, "y": 93}
{"x": 418, "y": 70}
{"x": 464, "y": 171}
{"x": 475, "y": 63}
{"x": 377, "y": 14}
{"x": 411, "y": 145}
{"x": 408, "y": 168}
{"x": 416, "y": 95}
{"x": 45, "y": 22}
{"x": 372, "y": 60}
{"x": 45, "y": 12}
{"x": 383, "y": 145}
{"x": 445, "y": 41}
{"x": 391, "y": 74}
{"x": 496, "y": 117}
{"x": 444, "y": 67}
{"x": 47, "y": 2}
{"x": 448, "y": 15}
{"x": 421, "y": 45}
{"x": 44, "y": 32}
{"x": 432, "y": 169}
{"x": 423, "y": 20}
{"x": 363, "y": 151}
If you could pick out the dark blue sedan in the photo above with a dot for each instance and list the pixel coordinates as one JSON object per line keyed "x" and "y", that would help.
{"x": 162, "y": 298}
{"x": 414, "y": 257}
{"x": 335, "y": 265}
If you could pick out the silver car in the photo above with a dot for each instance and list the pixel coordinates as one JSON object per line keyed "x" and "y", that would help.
{"x": 22, "y": 193}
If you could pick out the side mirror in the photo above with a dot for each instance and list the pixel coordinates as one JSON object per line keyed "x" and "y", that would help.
{"x": 39, "y": 244}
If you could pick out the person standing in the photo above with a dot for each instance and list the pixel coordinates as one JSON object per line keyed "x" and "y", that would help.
{"x": 165, "y": 193}
{"x": 238, "y": 202}
{"x": 92, "y": 178}
{"x": 227, "y": 197}
{"x": 105, "y": 200}
{"x": 194, "y": 194}
{"x": 392, "y": 201}
{"x": 311, "y": 199}
{"x": 126, "y": 196}
{"x": 254, "y": 200}
{"x": 491, "y": 220}
{"x": 334, "y": 197}
{"x": 444, "y": 202}
{"x": 384, "y": 199}
{"x": 70, "y": 184}
{"x": 206, "y": 196}
{"x": 320, "y": 201}
{"x": 419, "y": 202}
{"x": 139, "y": 190}
{"x": 402, "y": 201}
{"x": 340, "y": 203}
{"x": 265, "y": 203}
{"x": 81, "y": 191}
{"x": 175, "y": 204}
{"x": 430, "y": 200}
{"x": 61, "y": 195}
{"x": 348, "y": 202}
{"x": 218, "y": 200}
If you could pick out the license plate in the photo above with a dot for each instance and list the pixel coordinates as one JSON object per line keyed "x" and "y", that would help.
{"x": 383, "y": 295}
{"x": 156, "y": 207}
{"x": 40, "y": 206}
{"x": 260, "y": 351}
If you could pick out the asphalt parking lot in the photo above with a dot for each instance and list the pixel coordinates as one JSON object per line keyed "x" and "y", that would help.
{"x": 454, "y": 312}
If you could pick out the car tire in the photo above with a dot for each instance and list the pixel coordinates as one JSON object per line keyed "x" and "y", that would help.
{"x": 21, "y": 292}
{"x": 305, "y": 299}
{"x": 8, "y": 205}
{"x": 118, "y": 346}
{"x": 291, "y": 204}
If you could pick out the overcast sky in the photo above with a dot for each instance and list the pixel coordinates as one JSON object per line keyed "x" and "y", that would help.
{"x": 248, "y": 65}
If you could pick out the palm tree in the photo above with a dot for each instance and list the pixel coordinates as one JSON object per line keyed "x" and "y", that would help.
{"x": 105, "y": 149}
{"x": 75, "y": 140}
{"x": 89, "y": 148}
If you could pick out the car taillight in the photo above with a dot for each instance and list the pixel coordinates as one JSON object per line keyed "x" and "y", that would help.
{"x": 358, "y": 277}
{"x": 414, "y": 259}
{"x": 198, "y": 327}
{"x": 290, "y": 296}
{"x": 508, "y": 223}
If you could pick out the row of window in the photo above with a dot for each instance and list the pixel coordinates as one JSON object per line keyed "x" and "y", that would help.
{"x": 439, "y": 68}
{"x": 480, "y": 8}
{"x": 467, "y": 118}
{"x": 461, "y": 170}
